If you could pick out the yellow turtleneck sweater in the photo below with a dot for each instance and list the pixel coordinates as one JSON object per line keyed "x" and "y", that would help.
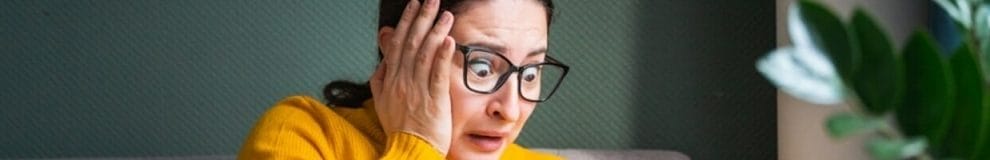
{"x": 301, "y": 127}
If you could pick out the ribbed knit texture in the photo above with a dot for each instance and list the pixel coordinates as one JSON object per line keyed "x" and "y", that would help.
{"x": 301, "y": 127}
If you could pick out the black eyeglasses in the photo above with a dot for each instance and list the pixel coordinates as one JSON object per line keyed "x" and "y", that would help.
{"x": 485, "y": 71}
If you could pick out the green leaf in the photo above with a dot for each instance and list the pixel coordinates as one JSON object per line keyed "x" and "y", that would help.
{"x": 981, "y": 29}
{"x": 960, "y": 11}
{"x": 886, "y": 149}
{"x": 879, "y": 81}
{"x": 967, "y": 133}
{"x": 950, "y": 9}
{"x": 844, "y": 124}
{"x": 811, "y": 25}
{"x": 928, "y": 101}
{"x": 806, "y": 75}
{"x": 983, "y": 147}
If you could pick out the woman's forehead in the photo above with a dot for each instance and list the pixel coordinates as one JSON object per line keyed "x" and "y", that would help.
{"x": 510, "y": 24}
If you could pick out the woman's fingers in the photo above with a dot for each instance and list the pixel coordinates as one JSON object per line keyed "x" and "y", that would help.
{"x": 375, "y": 82}
{"x": 393, "y": 53}
{"x": 439, "y": 92}
{"x": 417, "y": 31}
{"x": 427, "y": 53}
{"x": 440, "y": 77}
{"x": 412, "y": 86}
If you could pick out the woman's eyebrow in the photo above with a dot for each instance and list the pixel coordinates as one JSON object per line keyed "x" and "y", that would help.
{"x": 501, "y": 49}
{"x": 489, "y": 46}
{"x": 541, "y": 50}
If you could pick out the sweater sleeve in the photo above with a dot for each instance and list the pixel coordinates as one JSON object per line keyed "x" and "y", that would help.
{"x": 289, "y": 130}
{"x": 303, "y": 128}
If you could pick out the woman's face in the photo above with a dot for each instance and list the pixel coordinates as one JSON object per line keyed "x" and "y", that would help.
{"x": 486, "y": 124}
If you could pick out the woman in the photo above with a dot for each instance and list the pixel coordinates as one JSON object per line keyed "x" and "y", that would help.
{"x": 444, "y": 88}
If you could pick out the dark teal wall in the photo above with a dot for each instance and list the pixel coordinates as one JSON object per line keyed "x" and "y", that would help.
{"x": 85, "y": 78}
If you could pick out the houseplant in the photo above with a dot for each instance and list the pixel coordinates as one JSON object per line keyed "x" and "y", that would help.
{"x": 914, "y": 102}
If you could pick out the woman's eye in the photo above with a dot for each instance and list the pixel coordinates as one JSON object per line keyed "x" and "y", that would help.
{"x": 480, "y": 68}
{"x": 530, "y": 74}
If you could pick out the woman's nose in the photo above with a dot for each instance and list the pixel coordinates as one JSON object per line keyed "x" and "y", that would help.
{"x": 506, "y": 103}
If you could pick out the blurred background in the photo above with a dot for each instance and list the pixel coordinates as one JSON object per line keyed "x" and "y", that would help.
{"x": 99, "y": 78}
{"x": 800, "y": 125}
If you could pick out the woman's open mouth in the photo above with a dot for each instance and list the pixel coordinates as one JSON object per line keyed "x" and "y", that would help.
{"x": 486, "y": 142}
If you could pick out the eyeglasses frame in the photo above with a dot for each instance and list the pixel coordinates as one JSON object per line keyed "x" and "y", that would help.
{"x": 466, "y": 50}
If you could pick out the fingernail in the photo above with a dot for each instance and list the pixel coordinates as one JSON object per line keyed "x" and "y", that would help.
{"x": 450, "y": 42}
{"x": 431, "y": 2}
{"x": 444, "y": 18}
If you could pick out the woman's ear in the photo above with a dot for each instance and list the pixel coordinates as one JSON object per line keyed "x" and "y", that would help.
{"x": 384, "y": 35}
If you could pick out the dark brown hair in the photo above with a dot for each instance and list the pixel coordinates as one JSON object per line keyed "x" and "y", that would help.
{"x": 349, "y": 94}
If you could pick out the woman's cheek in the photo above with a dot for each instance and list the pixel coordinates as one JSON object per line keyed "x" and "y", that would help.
{"x": 458, "y": 96}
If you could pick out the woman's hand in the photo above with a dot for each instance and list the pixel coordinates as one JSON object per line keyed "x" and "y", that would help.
{"x": 411, "y": 85}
